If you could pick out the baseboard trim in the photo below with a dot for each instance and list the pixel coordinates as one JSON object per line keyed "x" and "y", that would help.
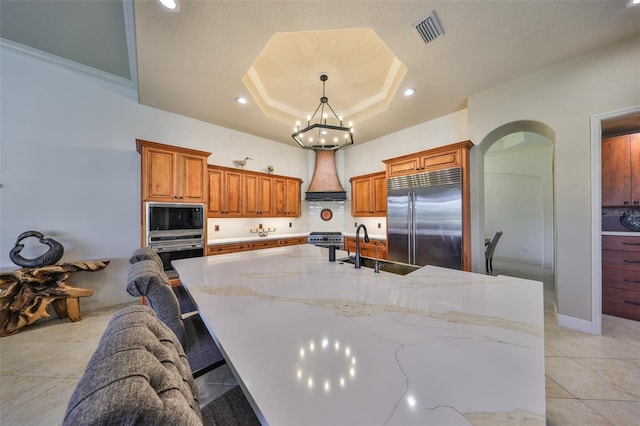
{"x": 575, "y": 324}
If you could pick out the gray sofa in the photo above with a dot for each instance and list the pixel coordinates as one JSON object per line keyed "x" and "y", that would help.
{"x": 139, "y": 374}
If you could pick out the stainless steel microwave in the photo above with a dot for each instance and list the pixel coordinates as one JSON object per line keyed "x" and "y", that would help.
{"x": 174, "y": 222}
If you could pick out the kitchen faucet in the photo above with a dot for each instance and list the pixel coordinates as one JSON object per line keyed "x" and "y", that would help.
{"x": 366, "y": 240}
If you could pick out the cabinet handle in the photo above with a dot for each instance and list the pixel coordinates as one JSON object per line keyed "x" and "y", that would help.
{"x": 630, "y": 302}
{"x": 631, "y": 281}
{"x": 631, "y": 261}
{"x": 636, "y": 202}
{"x": 630, "y": 244}
{"x": 626, "y": 203}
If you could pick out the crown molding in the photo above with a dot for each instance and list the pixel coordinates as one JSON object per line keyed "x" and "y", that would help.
{"x": 66, "y": 63}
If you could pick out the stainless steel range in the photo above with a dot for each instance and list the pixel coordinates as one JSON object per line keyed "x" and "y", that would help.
{"x": 332, "y": 240}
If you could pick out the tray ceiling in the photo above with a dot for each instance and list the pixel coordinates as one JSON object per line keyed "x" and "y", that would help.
{"x": 193, "y": 62}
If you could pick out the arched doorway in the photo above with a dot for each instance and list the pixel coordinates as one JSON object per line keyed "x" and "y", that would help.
{"x": 517, "y": 198}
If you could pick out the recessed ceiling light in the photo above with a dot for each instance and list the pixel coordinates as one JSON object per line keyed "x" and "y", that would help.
{"x": 631, "y": 3}
{"x": 172, "y": 5}
{"x": 241, "y": 100}
{"x": 410, "y": 92}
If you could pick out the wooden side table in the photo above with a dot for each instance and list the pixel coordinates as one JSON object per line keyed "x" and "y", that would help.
{"x": 25, "y": 294}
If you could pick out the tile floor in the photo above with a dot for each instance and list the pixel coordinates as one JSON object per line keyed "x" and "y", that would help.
{"x": 591, "y": 380}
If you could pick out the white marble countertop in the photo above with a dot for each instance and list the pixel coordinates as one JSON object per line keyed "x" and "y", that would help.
{"x": 318, "y": 342}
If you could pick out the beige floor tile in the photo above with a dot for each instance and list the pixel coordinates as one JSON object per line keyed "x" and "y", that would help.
{"x": 554, "y": 390}
{"x": 573, "y": 412}
{"x": 30, "y": 401}
{"x": 585, "y": 380}
{"x": 45, "y": 359}
{"x": 620, "y": 413}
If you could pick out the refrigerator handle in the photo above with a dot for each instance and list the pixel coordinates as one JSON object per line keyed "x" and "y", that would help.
{"x": 412, "y": 231}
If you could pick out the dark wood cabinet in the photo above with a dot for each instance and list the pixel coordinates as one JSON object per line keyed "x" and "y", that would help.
{"x": 369, "y": 195}
{"x": 621, "y": 171}
{"x": 621, "y": 276}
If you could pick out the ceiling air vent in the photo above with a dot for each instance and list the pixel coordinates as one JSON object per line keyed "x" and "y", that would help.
{"x": 429, "y": 27}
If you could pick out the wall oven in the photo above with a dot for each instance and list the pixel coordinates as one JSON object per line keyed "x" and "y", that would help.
{"x": 175, "y": 231}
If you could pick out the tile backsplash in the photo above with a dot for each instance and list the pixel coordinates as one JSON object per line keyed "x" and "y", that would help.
{"x": 316, "y": 223}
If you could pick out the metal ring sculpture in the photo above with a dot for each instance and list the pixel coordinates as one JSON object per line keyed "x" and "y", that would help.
{"x": 52, "y": 255}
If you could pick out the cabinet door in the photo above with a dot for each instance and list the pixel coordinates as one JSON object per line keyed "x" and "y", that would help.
{"x": 159, "y": 180}
{"x": 634, "y": 142}
{"x": 250, "y": 195}
{"x": 224, "y": 193}
{"x": 192, "y": 178}
{"x": 233, "y": 188}
{"x": 265, "y": 199}
{"x": 616, "y": 171}
{"x": 293, "y": 198}
{"x": 361, "y": 191}
{"x": 215, "y": 205}
{"x": 379, "y": 204}
{"x": 404, "y": 167}
{"x": 443, "y": 160}
{"x": 279, "y": 196}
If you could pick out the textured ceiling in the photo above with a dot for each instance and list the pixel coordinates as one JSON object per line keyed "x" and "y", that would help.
{"x": 193, "y": 62}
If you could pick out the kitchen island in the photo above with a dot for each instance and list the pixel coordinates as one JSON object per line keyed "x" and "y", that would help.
{"x": 318, "y": 342}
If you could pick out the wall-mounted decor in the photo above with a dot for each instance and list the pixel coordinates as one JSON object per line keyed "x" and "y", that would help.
{"x": 326, "y": 214}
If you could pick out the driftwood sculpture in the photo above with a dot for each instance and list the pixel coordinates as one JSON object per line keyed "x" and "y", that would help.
{"x": 26, "y": 294}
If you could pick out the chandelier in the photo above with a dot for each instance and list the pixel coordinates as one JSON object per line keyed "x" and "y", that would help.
{"x": 327, "y": 133}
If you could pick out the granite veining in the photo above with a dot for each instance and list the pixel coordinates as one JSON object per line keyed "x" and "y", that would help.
{"x": 318, "y": 342}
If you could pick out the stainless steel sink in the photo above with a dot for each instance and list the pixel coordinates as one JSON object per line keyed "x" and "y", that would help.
{"x": 383, "y": 265}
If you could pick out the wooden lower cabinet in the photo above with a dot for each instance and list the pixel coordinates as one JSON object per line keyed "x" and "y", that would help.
{"x": 228, "y": 248}
{"x": 367, "y": 249}
{"x": 254, "y": 245}
{"x": 621, "y": 276}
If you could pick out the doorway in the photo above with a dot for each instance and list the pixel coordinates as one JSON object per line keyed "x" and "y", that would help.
{"x": 603, "y": 125}
{"x": 518, "y": 199}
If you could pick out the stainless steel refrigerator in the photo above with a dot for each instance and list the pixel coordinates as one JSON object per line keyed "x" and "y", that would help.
{"x": 424, "y": 218}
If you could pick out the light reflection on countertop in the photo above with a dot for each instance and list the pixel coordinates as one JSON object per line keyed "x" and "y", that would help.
{"x": 325, "y": 366}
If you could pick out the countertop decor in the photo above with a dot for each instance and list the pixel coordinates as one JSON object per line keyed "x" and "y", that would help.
{"x": 318, "y": 342}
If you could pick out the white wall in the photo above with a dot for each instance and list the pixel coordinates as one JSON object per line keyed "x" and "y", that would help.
{"x": 69, "y": 167}
{"x": 564, "y": 97}
{"x": 367, "y": 158}
{"x": 518, "y": 186}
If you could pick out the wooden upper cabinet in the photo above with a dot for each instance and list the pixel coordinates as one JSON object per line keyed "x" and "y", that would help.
{"x": 172, "y": 174}
{"x": 286, "y": 195}
{"x": 434, "y": 159}
{"x": 256, "y": 195}
{"x": 621, "y": 171}
{"x": 225, "y": 186}
{"x": 237, "y": 193}
{"x": 369, "y": 195}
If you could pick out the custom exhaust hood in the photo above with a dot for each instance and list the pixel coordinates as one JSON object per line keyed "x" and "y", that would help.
{"x": 325, "y": 184}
